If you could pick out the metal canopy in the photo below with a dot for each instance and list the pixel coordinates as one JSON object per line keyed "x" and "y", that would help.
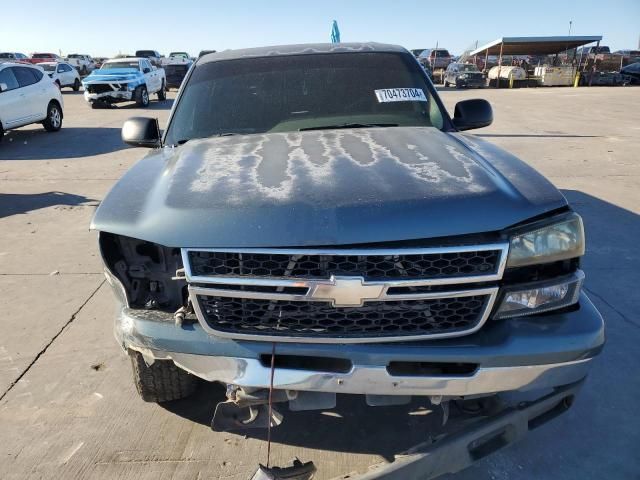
{"x": 533, "y": 45}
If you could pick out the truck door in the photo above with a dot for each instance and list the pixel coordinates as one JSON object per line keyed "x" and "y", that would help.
{"x": 150, "y": 76}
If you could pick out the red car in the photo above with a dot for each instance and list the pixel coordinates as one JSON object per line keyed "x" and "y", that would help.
{"x": 43, "y": 57}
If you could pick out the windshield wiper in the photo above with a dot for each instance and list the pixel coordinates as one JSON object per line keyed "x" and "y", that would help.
{"x": 349, "y": 125}
{"x": 223, "y": 134}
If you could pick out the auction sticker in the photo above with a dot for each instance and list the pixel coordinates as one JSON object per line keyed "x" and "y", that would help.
{"x": 400, "y": 95}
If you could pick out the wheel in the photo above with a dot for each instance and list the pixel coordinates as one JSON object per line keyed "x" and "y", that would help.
{"x": 1, "y": 133}
{"x": 84, "y": 70}
{"x": 94, "y": 105}
{"x": 142, "y": 96}
{"x": 76, "y": 85}
{"x": 161, "y": 381}
{"x": 162, "y": 93}
{"x": 53, "y": 122}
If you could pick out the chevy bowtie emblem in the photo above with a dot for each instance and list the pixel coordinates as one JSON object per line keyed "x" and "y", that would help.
{"x": 346, "y": 291}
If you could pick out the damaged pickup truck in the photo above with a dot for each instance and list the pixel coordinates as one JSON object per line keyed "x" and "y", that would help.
{"x": 125, "y": 80}
{"x": 312, "y": 223}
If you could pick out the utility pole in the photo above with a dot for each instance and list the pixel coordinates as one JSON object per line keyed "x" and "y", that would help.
{"x": 570, "y": 24}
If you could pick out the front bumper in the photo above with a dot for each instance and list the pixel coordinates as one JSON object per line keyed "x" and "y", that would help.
{"x": 114, "y": 96}
{"x": 470, "y": 83}
{"x": 451, "y": 453}
{"x": 517, "y": 354}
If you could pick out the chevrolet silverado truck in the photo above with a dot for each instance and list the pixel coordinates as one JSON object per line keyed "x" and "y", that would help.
{"x": 312, "y": 222}
{"x": 124, "y": 80}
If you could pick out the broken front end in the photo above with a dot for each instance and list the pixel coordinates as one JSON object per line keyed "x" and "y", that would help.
{"x": 460, "y": 321}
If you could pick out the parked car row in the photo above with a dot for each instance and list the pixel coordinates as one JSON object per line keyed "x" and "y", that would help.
{"x": 598, "y": 66}
{"x": 30, "y": 87}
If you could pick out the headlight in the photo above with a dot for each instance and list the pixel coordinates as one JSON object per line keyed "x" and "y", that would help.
{"x": 561, "y": 240}
{"x": 540, "y": 297}
{"x": 464, "y": 75}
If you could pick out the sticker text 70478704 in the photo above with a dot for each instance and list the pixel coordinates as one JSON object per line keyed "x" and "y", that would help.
{"x": 400, "y": 95}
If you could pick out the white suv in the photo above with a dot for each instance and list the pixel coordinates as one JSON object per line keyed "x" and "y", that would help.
{"x": 62, "y": 73}
{"x": 27, "y": 96}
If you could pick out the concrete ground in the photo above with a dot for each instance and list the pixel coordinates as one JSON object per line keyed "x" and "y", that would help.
{"x": 68, "y": 408}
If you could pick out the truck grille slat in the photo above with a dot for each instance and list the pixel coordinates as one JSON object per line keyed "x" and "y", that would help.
{"x": 431, "y": 265}
{"x": 321, "y": 319}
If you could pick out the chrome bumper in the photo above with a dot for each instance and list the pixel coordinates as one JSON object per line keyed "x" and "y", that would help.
{"x": 375, "y": 380}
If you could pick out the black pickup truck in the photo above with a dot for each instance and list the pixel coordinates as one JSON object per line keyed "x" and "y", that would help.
{"x": 313, "y": 222}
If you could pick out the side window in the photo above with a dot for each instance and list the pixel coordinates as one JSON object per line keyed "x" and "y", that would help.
{"x": 60, "y": 68}
{"x": 65, "y": 68}
{"x": 7, "y": 77}
{"x": 36, "y": 73}
{"x": 24, "y": 76}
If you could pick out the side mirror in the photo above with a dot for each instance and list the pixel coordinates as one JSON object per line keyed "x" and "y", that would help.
{"x": 3, "y": 87}
{"x": 141, "y": 132}
{"x": 474, "y": 113}
{"x": 146, "y": 70}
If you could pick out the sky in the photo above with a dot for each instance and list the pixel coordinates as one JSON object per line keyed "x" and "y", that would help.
{"x": 119, "y": 26}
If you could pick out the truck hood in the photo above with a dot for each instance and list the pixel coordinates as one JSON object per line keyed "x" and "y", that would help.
{"x": 112, "y": 75}
{"x": 332, "y": 187}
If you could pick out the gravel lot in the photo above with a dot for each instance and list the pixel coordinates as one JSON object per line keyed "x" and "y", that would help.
{"x": 68, "y": 408}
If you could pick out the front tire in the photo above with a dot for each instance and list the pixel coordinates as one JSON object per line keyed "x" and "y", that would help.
{"x": 162, "y": 93}
{"x": 53, "y": 122}
{"x": 142, "y": 96}
{"x": 76, "y": 85}
{"x": 161, "y": 381}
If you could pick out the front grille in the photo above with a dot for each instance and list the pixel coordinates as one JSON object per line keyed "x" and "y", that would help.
{"x": 101, "y": 88}
{"x": 251, "y": 316}
{"x": 426, "y": 265}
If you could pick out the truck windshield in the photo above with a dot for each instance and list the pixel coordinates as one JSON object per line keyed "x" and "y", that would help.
{"x": 107, "y": 66}
{"x": 303, "y": 92}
